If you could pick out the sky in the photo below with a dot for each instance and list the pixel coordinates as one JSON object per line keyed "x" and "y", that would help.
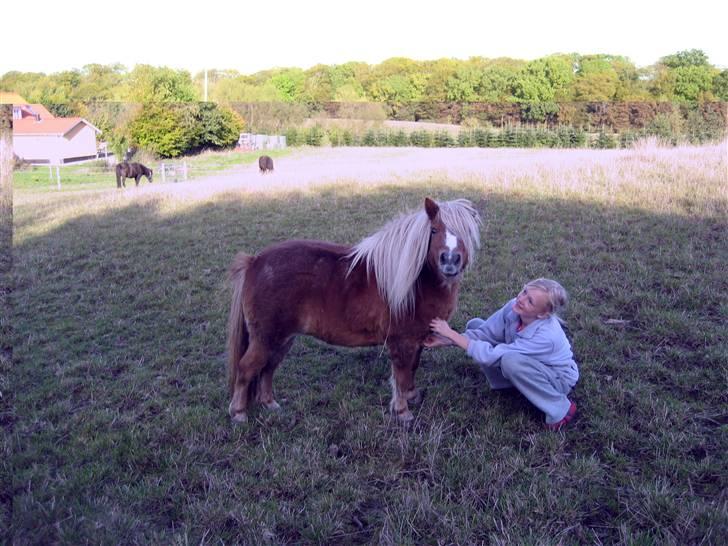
{"x": 252, "y": 36}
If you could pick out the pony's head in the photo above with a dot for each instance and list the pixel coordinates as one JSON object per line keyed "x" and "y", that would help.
{"x": 150, "y": 175}
{"x": 447, "y": 254}
{"x": 443, "y": 236}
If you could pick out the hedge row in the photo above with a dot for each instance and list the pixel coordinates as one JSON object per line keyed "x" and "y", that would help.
{"x": 510, "y": 137}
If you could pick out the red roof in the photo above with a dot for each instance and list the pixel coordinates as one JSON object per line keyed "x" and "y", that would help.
{"x": 32, "y": 109}
{"x": 52, "y": 126}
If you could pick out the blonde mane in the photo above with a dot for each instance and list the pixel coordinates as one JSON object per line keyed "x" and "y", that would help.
{"x": 397, "y": 252}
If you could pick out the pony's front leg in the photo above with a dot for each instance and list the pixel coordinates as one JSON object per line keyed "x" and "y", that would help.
{"x": 405, "y": 356}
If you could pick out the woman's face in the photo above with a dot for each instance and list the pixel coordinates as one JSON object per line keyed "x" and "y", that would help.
{"x": 531, "y": 303}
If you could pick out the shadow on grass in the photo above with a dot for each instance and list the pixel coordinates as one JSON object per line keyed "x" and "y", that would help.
{"x": 119, "y": 396}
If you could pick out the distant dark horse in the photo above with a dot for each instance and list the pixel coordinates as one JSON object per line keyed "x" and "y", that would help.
{"x": 265, "y": 164}
{"x": 385, "y": 289}
{"x": 126, "y": 170}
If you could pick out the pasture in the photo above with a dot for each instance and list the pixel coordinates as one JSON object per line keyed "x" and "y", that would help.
{"x": 114, "y": 408}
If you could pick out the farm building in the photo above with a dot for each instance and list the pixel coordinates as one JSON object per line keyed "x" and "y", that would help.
{"x": 40, "y": 137}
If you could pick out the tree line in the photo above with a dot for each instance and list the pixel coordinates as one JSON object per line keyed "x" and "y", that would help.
{"x": 577, "y": 90}
{"x": 683, "y": 76}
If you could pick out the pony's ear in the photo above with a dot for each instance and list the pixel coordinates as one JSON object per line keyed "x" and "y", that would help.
{"x": 432, "y": 208}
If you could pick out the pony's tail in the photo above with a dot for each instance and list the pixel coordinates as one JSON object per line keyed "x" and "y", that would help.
{"x": 237, "y": 342}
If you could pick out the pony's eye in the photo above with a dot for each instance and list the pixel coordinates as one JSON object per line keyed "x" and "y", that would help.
{"x": 434, "y": 230}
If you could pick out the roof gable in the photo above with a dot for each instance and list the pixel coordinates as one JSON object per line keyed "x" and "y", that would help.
{"x": 52, "y": 126}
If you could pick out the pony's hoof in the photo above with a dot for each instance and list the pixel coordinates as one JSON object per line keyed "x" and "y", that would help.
{"x": 272, "y": 405}
{"x": 405, "y": 417}
{"x": 415, "y": 397}
{"x": 240, "y": 417}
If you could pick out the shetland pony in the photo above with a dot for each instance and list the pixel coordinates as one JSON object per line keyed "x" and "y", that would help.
{"x": 385, "y": 289}
{"x": 126, "y": 170}
{"x": 265, "y": 164}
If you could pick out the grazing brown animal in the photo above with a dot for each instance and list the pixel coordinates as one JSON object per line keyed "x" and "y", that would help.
{"x": 385, "y": 289}
{"x": 126, "y": 170}
{"x": 265, "y": 164}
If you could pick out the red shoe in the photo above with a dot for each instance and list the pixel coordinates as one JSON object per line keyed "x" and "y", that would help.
{"x": 568, "y": 417}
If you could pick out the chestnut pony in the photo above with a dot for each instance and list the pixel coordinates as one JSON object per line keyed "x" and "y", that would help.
{"x": 385, "y": 289}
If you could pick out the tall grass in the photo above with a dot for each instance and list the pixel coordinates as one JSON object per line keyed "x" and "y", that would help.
{"x": 118, "y": 431}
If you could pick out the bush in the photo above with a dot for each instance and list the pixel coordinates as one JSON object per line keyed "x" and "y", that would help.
{"x": 605, "y": 141}
{"x": 370, "y": 138}
{"x": 170, "y": 130}
{"x": 465, "y": 139}
{"x": 314, "y": 136}
{"x": 292, "y": 137}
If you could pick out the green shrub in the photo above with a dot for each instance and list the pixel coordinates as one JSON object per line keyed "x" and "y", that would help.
{"x": 370, "y": 138}
{"x": 173, "y": 129}
{"x": 293, "y": 137}
{"x": 314, "y": 136}
{"x": 605, "y": 141}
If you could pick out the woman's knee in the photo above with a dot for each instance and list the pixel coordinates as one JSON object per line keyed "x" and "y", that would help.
{"x": 474, "y": 324}
{"x": 511, "y": 364}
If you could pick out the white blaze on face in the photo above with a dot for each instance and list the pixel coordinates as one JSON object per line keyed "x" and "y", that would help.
{"x": 451, "y": 241}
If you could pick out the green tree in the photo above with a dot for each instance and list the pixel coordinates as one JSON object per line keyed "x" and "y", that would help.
{"x": 161, "y": 129}
{"x": 26, "y": 84}
{"x": 348, "y": 81}
{"x": 596, "y": 79}
{"x": 100, "y": 83}
{"x": 544, "y": 80}
{"x": 688, "y": 57}
{"x": 397, "y": 80}
{"x": 496, "y": 84}
{"x": 438, "y": 73}
{"x": 720, "y": 85}
{"x": 215, "y": 126}
{"x": 290, "y": 83}
{"x": 151, "y": 84}
{"x": 464, "y": 85}
{"x": 244, "y": 89}
{"x": 693, "y": 83}
{"x": 318, "y": 86}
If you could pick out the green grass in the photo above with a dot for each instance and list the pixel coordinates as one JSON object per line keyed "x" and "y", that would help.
{"x": 118, "y": 432}
{"x": 96, "y": 175}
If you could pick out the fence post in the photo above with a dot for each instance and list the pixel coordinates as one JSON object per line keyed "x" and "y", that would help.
{"x": 184, "y": 170}
{"x": 164, "y": 178}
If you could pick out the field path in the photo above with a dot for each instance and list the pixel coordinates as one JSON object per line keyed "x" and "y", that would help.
{"x": 309, "y": 167}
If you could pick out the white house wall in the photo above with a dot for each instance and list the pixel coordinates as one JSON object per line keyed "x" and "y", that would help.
{"x": 81, "y": 142}
{"x": 47, "y": 148}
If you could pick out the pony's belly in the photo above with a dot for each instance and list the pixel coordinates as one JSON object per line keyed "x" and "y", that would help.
{"x": 346, "y": 337}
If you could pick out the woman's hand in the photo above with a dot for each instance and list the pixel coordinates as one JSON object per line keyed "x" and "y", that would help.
{"x": 436, "y": 340}
{"x": 441, "y": 328}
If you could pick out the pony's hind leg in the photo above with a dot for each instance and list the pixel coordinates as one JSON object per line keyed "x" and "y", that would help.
{"x": 248, "y": 370}
{"x": 265, "y": 383}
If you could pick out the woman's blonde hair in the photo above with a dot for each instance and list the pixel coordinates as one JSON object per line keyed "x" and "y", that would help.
{"x": 555, "y": 293}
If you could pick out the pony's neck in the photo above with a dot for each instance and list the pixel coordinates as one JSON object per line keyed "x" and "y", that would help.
{"x": 432, "y": 280}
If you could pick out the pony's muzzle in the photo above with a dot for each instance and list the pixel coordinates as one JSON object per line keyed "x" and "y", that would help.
{"x": 450, "y": 263}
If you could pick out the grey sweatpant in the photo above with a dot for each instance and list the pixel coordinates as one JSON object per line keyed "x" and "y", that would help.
{"x": 545, "y": 386}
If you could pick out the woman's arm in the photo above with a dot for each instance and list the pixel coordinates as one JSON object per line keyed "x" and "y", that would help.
{"x": 442, "y": 328}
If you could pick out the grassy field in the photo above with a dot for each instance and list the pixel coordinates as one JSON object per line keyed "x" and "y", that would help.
{"x": 115, "y": 425}
{"x": 97, "y": 175}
